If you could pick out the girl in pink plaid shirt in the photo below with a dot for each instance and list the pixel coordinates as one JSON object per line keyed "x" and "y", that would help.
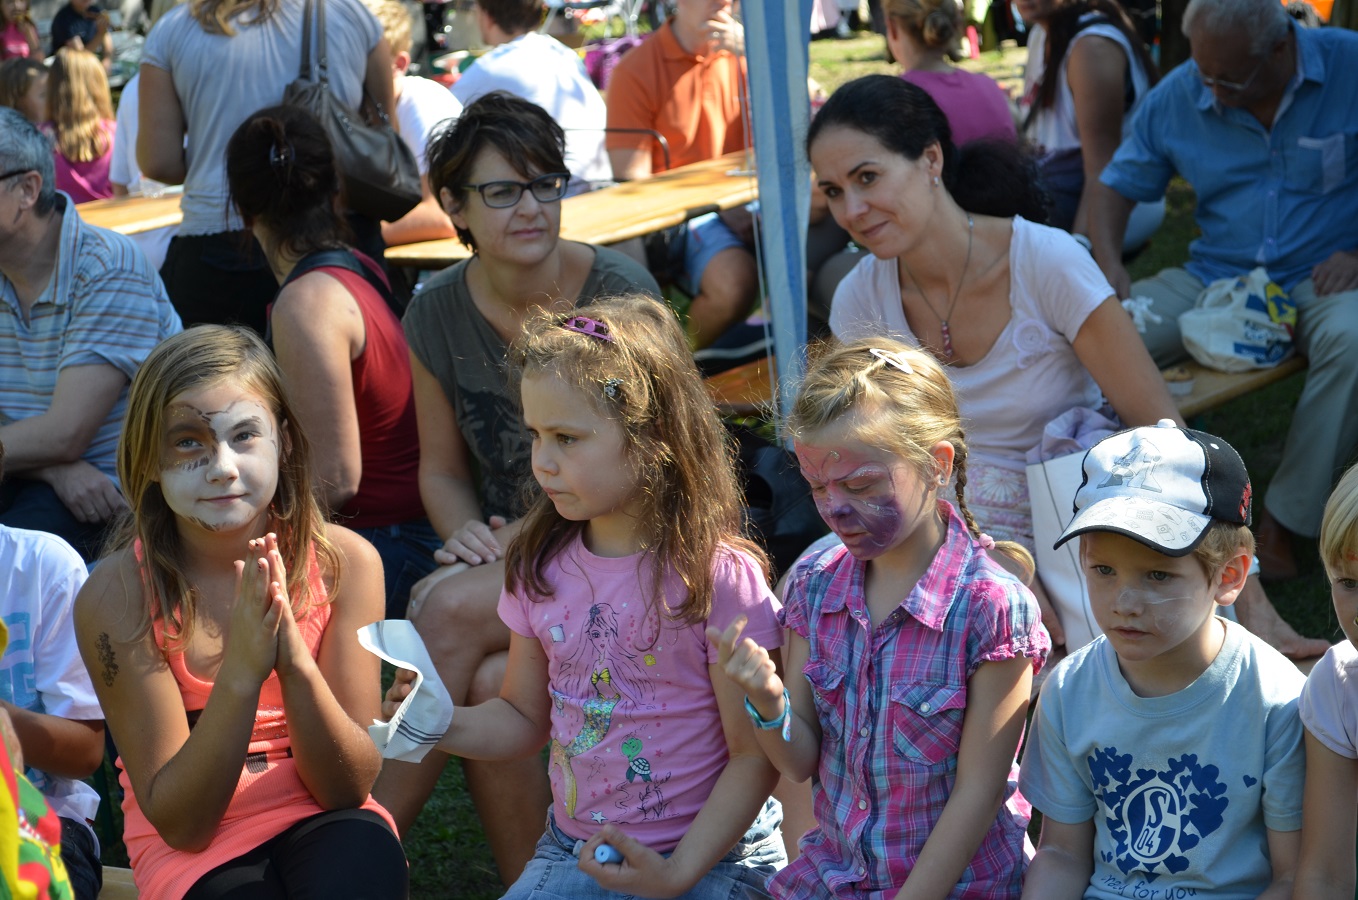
{"x": 918, "y": 648}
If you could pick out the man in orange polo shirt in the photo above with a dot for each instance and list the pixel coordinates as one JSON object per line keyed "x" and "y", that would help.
{"x": 685, "y": 81}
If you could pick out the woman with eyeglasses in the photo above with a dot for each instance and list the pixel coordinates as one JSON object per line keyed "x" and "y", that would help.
{"x": 337, "y": 339}
{"x": 499, "y": 173}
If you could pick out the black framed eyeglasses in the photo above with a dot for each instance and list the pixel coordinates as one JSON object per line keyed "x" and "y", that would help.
{"x": 504, "y": 194}
{"x": 10, "y": 174}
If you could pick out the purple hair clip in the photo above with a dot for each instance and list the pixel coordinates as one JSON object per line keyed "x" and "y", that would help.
{"x": 585, "y": 325}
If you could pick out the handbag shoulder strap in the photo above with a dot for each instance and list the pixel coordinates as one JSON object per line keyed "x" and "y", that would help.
{"x": 304, "y": 71}
{"x": 322, "y": 62}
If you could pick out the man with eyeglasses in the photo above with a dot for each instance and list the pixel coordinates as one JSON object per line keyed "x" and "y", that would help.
{"x": 1263, "y": 123}
{"x": 80, "y": 308}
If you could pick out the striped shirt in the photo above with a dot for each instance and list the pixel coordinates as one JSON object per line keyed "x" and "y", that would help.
{"x": 105, "y": 305}
{"x": 890, "y": 700}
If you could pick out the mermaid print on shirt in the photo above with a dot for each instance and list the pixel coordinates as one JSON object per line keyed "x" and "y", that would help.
{"x": 603, "y": 670}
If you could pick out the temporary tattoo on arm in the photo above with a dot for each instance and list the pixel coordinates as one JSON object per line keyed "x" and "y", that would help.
{"x": 107, "y": 660}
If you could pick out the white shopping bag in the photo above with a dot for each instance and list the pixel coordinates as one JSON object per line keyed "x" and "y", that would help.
{"x": 1051, "y": 487}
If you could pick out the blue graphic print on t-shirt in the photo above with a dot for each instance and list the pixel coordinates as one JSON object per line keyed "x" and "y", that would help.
{"x": 1157, "y": 817}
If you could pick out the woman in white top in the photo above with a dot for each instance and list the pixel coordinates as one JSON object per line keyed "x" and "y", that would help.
{"x": 207, "y": 66}
{"x": 1019, "y": 312}
{"x": 1087, "y": 71}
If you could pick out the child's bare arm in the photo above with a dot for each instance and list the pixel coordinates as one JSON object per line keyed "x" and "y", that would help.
{"x": 755, "y": 671}
{"x": 183, "y": 781}
{"x": 1325, "y": 867}
{"x": 737, "y": 796}
{"x": 1064, "y": 862}
{"x": 515, "y": 724}
{"x": 70, "y": 748}
{"x": 1283, "y": 849}
{"x": 997, "y": 702}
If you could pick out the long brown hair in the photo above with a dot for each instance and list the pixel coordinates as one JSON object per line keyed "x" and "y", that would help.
{"x": 903, "y": 413}
{"x": 1062, "y": 27}
{"x": 201, "y": 357}
{"x": 79, "y": 105}
{"x": 645, "y": 380}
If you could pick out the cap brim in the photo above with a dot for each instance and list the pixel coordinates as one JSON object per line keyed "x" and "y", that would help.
{"x": 1160, "y": 526}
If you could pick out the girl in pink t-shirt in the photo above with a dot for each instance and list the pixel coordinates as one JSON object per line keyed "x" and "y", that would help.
{"x": 629, "y": 561}
{"x": 222, "y": 641}
{"x": 18, "y": 34}
{"x": 81, "y": 124}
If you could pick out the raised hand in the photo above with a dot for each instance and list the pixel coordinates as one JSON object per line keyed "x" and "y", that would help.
{"x": 292, "y": 648}
{"x": 749, "y": 666}
{"x": 252, "y": 644}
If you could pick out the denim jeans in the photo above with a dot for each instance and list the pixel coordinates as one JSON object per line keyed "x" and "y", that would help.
{"x": 28, "y": 503}
{"x": 407, "y": 551}
{"x": 552, "y": 873}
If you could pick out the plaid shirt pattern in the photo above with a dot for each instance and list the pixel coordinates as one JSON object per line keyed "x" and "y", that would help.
{"x": 890, "y": 700}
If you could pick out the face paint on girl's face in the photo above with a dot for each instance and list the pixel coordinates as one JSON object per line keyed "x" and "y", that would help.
{"x": 219, "y": 457}
{"x": 856, "y": 493}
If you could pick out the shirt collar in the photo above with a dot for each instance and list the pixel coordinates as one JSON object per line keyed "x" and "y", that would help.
{"x": 670, "y": 46}
{"x": 63, "y": 276}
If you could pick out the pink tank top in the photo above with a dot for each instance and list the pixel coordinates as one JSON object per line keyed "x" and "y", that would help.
{"x": 270, "y": 796}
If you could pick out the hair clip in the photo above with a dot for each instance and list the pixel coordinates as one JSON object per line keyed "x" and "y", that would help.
{"x": 613, "y": 386}
{"x": 281, "y": 155}
{"x": 585, "y": 325}
{"x": 892, "y": 358}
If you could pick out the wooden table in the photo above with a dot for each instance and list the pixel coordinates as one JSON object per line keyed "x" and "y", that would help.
{"x": 623, "y": 211}
{"x": 132, "y": 215}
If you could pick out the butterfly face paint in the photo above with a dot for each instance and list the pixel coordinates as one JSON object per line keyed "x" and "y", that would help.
{"x": 219, "y": 458}
{"x": 870, "y": 498}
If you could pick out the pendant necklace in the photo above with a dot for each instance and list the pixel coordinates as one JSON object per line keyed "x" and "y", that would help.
{"x": 943, "y": 320}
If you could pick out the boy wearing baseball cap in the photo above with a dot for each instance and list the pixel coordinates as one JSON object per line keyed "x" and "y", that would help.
{"x": 1166, "y": 756}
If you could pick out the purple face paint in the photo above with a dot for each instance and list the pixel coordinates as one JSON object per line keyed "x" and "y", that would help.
{"x": 856, "y": 496}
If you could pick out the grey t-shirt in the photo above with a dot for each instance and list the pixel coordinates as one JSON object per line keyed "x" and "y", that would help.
{"x": 221, "y": 80}
{"x": 450, "y": 338}
{"x": 1182, "y": 789}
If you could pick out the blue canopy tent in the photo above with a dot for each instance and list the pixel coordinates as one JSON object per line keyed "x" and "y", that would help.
{"x": 776, "y": 48}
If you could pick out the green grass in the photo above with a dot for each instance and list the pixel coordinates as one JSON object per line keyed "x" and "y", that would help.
{"x": 447, "y": 851}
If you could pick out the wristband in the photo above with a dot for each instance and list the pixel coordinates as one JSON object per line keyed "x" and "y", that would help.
{"x": 784, "y": 721}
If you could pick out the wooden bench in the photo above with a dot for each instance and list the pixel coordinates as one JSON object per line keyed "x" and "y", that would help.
{"x": 747, "y": 389}
{"x": 1212, "y": 388}
{"x": 118, "y": 885}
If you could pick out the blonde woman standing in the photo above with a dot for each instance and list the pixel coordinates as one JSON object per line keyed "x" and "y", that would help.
{"x": 206, "y": 67}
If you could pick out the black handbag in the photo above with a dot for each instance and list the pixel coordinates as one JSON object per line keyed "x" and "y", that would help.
{"x": 377, "y": 170}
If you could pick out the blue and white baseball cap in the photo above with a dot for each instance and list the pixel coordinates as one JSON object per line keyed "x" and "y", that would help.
{"x": 1162, "y": 486}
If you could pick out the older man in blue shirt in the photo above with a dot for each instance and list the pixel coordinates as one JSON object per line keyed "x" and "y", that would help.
{"x": 1263, "y": 123}
{"x": 80, "y": 308}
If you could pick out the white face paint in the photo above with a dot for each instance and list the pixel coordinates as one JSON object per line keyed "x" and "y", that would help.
{"x": 219, "y": 458}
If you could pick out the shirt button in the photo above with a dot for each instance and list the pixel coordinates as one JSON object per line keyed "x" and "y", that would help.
{"x": 863, "y": 731}
{"x": 925, "y": 707}
{"x": 862, "y": 804}
{"x": 862, "y": 870}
